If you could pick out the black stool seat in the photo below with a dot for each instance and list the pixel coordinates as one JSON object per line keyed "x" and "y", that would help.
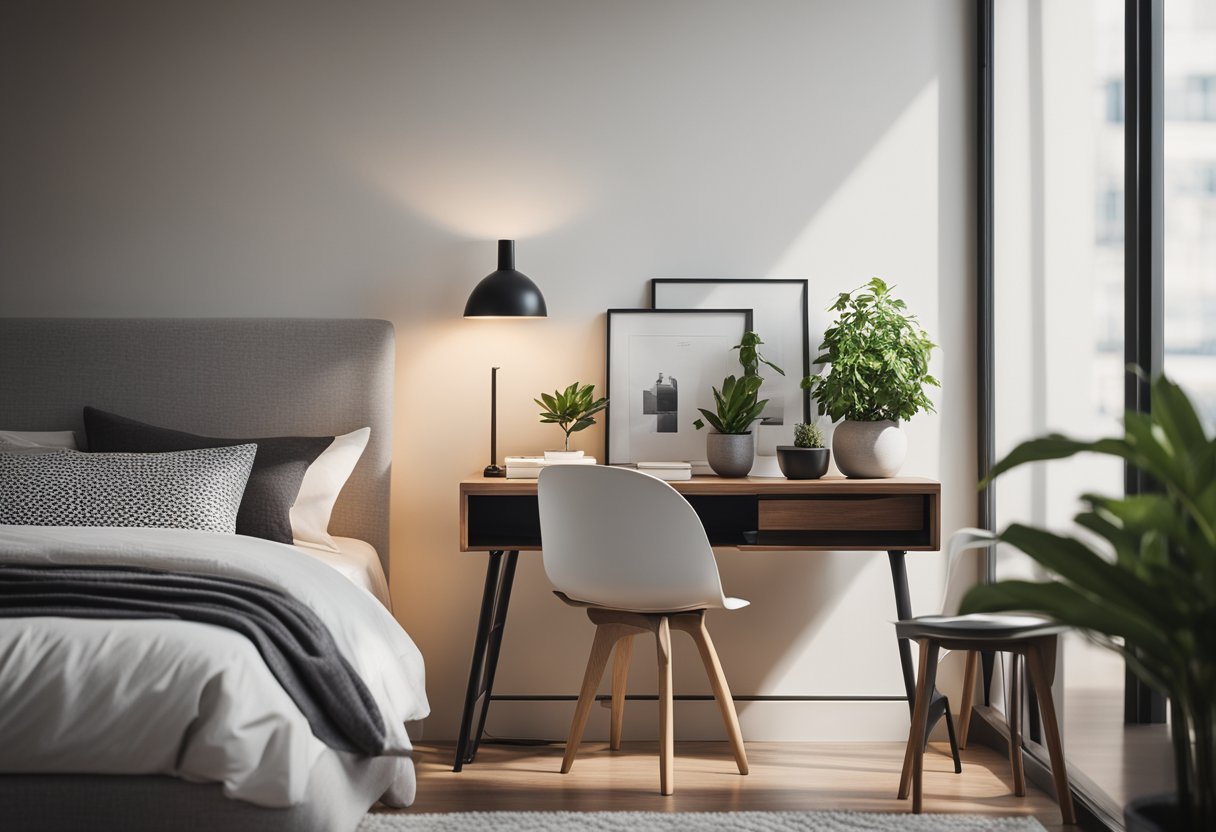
{"x": 978, "y": 626}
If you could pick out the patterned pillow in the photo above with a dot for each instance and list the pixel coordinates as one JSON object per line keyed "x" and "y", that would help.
{"x": 274, "y": 483}
{"x": 182, "y": 490}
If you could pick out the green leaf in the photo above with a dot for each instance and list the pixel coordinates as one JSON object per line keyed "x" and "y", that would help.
{"x": 570, "y": 409}
{"x": 1068, "y": 606}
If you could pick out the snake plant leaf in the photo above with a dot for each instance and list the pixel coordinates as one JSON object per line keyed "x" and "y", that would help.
{"x": 1078, "y": 564}
{"x": 1070, "y": 606}
{"x": 1177, "y": 417}
{"x": 1055, "y": 446}
{"x": 1125, "y": 544}
{"x": 713, "y": 420}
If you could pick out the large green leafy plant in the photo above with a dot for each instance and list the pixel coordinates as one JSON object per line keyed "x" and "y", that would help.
{"x": 571, "y": 409}
{"x": 738, "y": 402}
{"x": 1149, "y": 591}
{"x": 879, "y": 358}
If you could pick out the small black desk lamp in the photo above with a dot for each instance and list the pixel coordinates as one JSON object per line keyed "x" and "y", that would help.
{"x": 505, "y": 293}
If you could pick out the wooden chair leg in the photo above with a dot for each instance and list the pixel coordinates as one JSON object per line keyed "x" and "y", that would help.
{"x": 1039, "y": 678}
{"x": 964, "y": 714}
{"x": 666, "y": 714}
{"x": 695, "y": 627}
{"x": 914, "y": 754}
{"x": 1013, "y": 708}
{"x": 620, "y": 677}
{"x": 606, "y": 636}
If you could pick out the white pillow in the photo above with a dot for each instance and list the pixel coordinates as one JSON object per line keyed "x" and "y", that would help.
{"x": 38, "y": 439}
{"x": 320, "y": 487}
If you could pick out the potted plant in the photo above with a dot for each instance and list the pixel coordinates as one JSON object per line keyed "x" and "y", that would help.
{"x": 806, "y": 459}
{"x": 1148, "y": 592}
{"x": 879, "y": 358}
{"x": 572, "y": 410}
{"x": 732, "y": 450}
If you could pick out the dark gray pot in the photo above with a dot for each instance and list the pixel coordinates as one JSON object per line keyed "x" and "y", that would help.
{"x": 1155, "y": 813}
{"x": 803, "y": 463}
{"x": 731, "y": 454}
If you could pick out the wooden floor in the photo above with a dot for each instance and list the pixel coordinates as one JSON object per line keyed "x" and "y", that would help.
{"x": 784, "y": 776}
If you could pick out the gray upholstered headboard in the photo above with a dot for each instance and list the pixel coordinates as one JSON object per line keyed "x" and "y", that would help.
{"x": 240, "y": 377}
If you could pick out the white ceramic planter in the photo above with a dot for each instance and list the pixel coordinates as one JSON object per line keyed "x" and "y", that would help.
{"x": 731, "y": 454}
{"x": 869, "y": 450}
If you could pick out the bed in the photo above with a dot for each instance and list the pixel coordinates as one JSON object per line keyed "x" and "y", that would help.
{"x": 224, "y": 377}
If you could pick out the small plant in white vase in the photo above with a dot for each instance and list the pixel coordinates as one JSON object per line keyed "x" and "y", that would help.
{"x": 572, "y": 410}
{"x": 879, "y": 369}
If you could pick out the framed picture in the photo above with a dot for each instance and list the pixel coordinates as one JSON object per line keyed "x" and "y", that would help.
{"x": 662, "y": 364}
{"x": 780, "y": 316}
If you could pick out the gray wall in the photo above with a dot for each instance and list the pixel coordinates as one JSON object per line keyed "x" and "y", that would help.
{"x": 325, "y": 159}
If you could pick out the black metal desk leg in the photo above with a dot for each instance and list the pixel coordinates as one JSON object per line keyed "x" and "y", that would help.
{"x": 495, "y": 645}
{"x": 939, "y": 706}
{"x": 477, "y": 667}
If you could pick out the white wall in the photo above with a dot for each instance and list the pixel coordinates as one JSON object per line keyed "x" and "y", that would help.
{"x": 315, "y": 159}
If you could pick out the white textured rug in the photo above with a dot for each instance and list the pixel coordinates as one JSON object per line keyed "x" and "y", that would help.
{"x": 693, "y": 822}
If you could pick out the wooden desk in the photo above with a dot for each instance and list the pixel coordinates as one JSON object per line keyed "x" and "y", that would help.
{"x": 897, "y": 515}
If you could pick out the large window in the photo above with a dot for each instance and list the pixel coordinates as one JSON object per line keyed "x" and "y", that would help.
{"x": 1190, "y": 199}
{"x": 1097, "y": 248}
{"x": 1058, "y": 281}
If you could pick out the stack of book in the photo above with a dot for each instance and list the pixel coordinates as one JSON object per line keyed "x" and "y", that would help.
{"x": 529, "y": 467}
{"x": 667, "y": 470}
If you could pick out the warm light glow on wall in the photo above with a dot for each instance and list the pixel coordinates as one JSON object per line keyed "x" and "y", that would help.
{"x": 484, "y": 196}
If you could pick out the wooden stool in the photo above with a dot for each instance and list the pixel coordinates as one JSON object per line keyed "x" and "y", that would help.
{"x": 1024, "y": 637}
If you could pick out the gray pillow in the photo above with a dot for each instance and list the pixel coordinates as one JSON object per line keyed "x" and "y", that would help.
{"x": 199, "y": 489}
{"x": 274, "y": 483}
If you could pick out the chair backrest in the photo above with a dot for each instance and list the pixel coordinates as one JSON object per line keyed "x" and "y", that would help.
{"x": 960, "y": 542}
{"x": 618, "y": 538}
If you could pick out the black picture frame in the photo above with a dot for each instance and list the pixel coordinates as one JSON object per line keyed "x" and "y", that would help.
{"x": 709, "y": 321}
{"x": 759, "y": 284}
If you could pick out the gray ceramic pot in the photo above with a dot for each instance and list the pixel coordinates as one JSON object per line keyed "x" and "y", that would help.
{"x": 803, "y": 463}
{"x": 869, "y": 450}
{"x": 731, "y": 454}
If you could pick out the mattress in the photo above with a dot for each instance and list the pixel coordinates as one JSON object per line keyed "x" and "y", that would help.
{"x": 358, "y": 562}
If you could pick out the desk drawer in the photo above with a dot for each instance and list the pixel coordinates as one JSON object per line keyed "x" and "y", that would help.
{"x": 880, "y": 512}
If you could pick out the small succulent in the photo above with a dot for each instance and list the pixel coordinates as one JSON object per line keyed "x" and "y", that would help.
{"x": 571, "y": 409}
{"x": 808, "y": 436}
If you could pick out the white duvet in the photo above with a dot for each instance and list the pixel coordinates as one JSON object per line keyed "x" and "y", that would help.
{"x": 181, "y": 698}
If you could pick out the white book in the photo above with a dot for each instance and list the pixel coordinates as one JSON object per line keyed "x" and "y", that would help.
{"x": 529, "y": 467}
{"x": 700, "y": 468}
{"x": 541, "y": 462}
{"x": 525, "y": 462}
{"x": 668, "y": 474}
{"x": 677, "y": 466}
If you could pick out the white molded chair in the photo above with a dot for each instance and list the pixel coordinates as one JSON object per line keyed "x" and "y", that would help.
{"x": 632, "y": 551}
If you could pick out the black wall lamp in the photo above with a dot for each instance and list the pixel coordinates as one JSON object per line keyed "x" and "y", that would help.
{"x": 505, "y": 293}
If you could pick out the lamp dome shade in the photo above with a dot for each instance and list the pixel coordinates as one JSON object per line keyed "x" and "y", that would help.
{"x": 506, "y": 293}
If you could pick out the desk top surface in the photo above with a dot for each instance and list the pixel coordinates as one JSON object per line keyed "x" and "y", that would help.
{"x": 744, "y": 485}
